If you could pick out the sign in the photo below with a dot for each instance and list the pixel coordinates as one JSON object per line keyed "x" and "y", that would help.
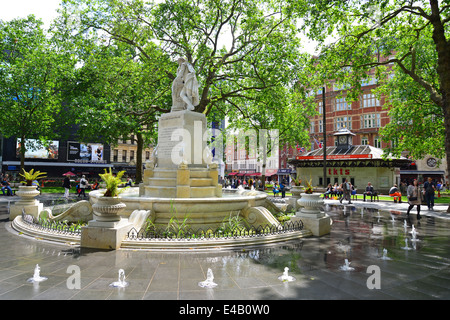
{"x": 340, "y": 171}
{"x": 35, "y": 149}
{"x": 284, "y": 171}
{"x": 85, "y": 152}
{"x": 336, "y": 157}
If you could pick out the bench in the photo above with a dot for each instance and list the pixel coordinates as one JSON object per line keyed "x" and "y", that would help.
{"x": 372, "y": 196}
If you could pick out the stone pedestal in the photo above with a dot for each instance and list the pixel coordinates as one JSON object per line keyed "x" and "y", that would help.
{"x": 181, "y": 138}
{"x": 108, "y": 229}
{"x": 318, "y": 226}
{"x": 27, "y": 202}
{"x": 105, "y": 235}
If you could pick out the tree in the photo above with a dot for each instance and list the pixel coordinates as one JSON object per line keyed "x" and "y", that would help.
{"x": 235, "y": 46}
{"x": 32, "y": 67}
{"x": 411, "y": 35}
{"x": 240, "y": 49}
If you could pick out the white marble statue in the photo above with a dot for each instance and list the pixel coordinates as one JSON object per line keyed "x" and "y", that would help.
{"x": 184, "y": 87}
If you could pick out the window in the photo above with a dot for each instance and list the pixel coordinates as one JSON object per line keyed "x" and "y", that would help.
{"x": 147, "y": 155}
{"x": 369, "y": 100}
{"x": 320, "y": 108}
{"x": 320, "y": 125}
{"x": 370, "y": 120}
{"x": 131, "y": 155}
{"x": 342, "y": 122}
{"x": 124, "y": 155}
{"x": 377, "y": 142}
{"x": 364, "y": 141}
{"x": 341, "y": 104}
{"x": 368, "y": 82}
{"x": 115, "y": 155}
{"x": 311, "y": 129}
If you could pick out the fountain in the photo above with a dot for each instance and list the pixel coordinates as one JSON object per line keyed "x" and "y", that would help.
{"x": 405, "y": 226}
{"x": 180, "y": 183}
{"x": 406, "y": 245}
{"x": 120, "y": 283}
{"x": 385, "y": 257}
{"x": 209, "y": 282}
{"x": 36, "y": 276}
{"x": 346, "y": 266}
{"x": 414, "y": 235}
{"x": 285, "y": 277}
{"x": 180, "y": 180}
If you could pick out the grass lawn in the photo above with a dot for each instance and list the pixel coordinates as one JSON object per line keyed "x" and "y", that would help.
{"x": 382, "y": 197}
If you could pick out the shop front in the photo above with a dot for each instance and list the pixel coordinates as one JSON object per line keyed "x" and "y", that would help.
{"x": 359, "y": 164}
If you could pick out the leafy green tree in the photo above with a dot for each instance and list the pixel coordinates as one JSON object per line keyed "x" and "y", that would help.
{"x": 412, "y": 37}
{"x": 235, "y": 46}
{"x": 241, "y": 50}
{"x": 32, "y": 68}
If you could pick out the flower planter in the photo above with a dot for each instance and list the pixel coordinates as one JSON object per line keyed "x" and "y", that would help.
{"x": 107, "y": 209}
{"x": 27, "y": 195}
{"x": 311, "y": 204}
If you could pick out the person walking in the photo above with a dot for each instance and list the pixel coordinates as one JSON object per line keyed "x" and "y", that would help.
{"x": 83, "y": 186}
{"x": 66, "y": 185}
{"x": 429, "y": 187}
{"x": 413, "y": 198}
{"x": 346, "y": 188}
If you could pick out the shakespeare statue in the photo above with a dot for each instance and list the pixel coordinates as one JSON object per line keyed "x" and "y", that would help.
{"x": 184, "y": 87}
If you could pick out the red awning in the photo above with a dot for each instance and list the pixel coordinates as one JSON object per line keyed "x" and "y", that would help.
{"x": 240, "y": 174}
{"x": 254, "y": 174}
{"x": 233, "y": 173}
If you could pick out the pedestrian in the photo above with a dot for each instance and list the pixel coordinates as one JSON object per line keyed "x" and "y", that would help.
{"x": 283, "y": 189}
{"x": 66, "y": 185}
{"x": 429, "y": 187}
{"x": 346, "y": 189}
{"x": 413, "y": 198}
{"x": 83, "y": 185}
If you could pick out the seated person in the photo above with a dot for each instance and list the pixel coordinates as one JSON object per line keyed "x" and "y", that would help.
{"x": 394, "y": 192}
{"x": 369, "y": 191}
{"x": 95, "y": 185}
{"x": 329, "y": 191}
{"x": 275, "y": 189}
{"x": 5, "y": 186}
{"x": 353, "y": 190}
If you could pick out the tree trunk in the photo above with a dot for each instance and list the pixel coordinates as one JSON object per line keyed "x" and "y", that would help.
{"x": 443, "y": 70}
{"x": 140, "y": 149}
{"x": 22, "y": 154}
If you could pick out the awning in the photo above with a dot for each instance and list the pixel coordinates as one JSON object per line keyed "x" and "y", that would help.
{"x": 240, "y": 175}
{"x": 232, "y": 173}
{"x": 253, "y": 174}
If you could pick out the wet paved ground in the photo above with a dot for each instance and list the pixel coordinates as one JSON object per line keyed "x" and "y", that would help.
{"x": 358, "y": 234}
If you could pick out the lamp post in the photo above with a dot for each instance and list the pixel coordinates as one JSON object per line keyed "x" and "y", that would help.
{"x": 324, "y": 144}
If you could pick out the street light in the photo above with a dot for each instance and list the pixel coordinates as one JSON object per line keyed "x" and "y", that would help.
{"x": 324, "y": 144}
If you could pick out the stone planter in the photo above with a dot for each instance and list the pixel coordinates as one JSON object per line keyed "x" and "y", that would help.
{"x": 311, "y": 204}
{"x": 27, "y": 195}
{"x": 107, "y": 209}
{"x": 296, "y": 195}
{"x": 27, "y": 202}
{"x": 312, "y": 214}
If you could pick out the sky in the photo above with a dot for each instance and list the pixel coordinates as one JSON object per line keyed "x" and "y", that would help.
{"x": 43, "y": 9}
{"x": 46, "y": 10}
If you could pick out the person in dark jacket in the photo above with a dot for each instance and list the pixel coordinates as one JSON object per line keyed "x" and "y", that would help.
{"x": 66, "y": 185}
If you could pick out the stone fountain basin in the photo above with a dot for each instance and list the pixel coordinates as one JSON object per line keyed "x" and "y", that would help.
{"x": 201, "y": 212}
